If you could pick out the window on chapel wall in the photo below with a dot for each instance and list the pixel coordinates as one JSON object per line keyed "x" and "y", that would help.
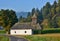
{"x": 15, "y": 31}
{"x": 25, "y": 31}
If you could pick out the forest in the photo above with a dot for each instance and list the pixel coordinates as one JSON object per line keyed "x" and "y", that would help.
{"x": 48, "y": 16}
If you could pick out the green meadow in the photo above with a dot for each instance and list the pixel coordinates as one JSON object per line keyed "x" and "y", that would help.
{"x": 2, "y": 32}
{"x": 3, "y": 38}
{"x": 42, "y": 38}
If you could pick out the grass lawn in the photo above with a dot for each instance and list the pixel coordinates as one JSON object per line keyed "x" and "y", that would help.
{"x": 3, "y": 38}
{"x": 44, "y": 37}
{"x": 2, "y": 31}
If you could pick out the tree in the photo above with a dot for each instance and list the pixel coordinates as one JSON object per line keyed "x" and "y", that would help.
{"x": 58, "y": 20}
{"x": 20, "y": 18}
{"x": 29, "y": 14}
{"x": 49, "y": 12}
{"x": 8, "y": 18}
{"x": 58, "y": 8}
{"x": 54, "y": 6}
{"x": 46, "y": 10}
{"x": 29, "y": 17}
{"x": 33, "y": 11}
{"x": 39, "y": 16}
{"x": 58, "y": 2}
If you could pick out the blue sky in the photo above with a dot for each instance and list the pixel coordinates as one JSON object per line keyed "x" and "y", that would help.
{"x": 23, "y": 5}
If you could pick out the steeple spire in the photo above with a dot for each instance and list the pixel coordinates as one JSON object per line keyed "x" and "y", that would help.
{"x": 34, "y": 19}
{"x": 34, "y": 16}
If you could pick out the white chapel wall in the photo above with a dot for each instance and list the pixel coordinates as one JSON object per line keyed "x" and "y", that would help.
{"x": 21, "y": 32}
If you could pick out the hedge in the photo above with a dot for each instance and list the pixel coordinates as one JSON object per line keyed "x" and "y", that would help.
{"x": 47, "y": 31}
{"x": 36, "y": 31}
{"x": 50, "y": 31}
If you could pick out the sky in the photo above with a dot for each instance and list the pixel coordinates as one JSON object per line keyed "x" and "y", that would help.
{"x": 23, "y": 5}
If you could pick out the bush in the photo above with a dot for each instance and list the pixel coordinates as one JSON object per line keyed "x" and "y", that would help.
{"x": 36, "y": 31}
{"x": 50, "y": 31}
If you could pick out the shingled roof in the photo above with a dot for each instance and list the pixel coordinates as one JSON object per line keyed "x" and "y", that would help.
{"x": 22, "y": 26}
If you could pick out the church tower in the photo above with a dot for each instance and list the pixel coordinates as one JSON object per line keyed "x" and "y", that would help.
{"x": 34, "y": 19}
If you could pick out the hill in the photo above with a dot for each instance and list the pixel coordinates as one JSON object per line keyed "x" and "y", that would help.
{"x": 23, "y": 14}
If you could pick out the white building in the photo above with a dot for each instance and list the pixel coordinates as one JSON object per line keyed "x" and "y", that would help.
{"x": 21, "y": 29}
{"x": 25, "y": 28}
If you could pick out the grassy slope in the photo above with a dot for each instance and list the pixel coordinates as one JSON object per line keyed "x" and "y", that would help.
{"x": 44, "y": 37}
{"x": 3, "y": 38}
{"x": 2, "y": 32}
